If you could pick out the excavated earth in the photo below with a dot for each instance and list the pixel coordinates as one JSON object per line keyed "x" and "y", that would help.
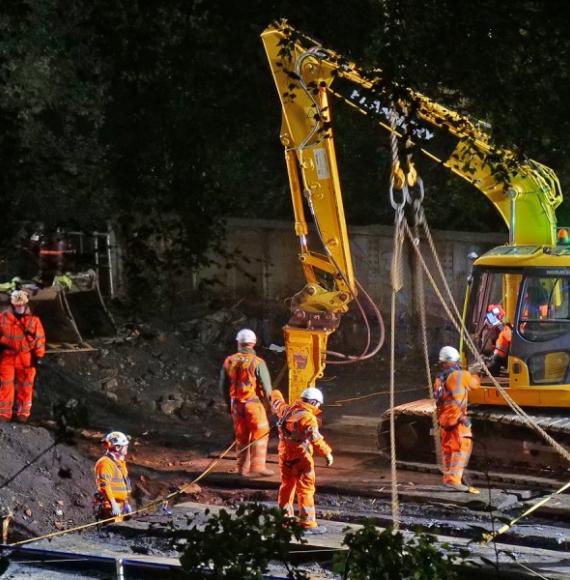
{"x": 157, "y": 384}
{"x": 157, "y": 381}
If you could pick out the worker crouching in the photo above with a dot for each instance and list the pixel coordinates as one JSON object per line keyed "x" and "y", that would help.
{"x": 298, "y": 435}
{"x": 452, "y": 386}
{"x": 245, "y": 383}
{"x": 112, "y": 477}
{"x": 22, "y": 344}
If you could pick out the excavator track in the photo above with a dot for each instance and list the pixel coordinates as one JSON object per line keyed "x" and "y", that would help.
{"x": 502, "y": 440}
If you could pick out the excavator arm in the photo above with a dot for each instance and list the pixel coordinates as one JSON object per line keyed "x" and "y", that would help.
{"x": 524, "y": 192}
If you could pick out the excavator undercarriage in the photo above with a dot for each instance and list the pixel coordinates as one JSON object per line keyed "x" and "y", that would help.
{"x": 503, "y": 442}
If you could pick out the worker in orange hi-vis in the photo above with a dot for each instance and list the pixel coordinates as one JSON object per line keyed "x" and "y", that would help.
{"x": 298, "y": 435}
{"x": 22, "y": 344}
{"x": 112, "y": 478}
{"x": 501, "y": 353}
{"x": 245, "y": 383}
{"x": 451, "y": 388}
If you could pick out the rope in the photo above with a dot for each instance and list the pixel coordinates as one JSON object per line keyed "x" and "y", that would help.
{"x": 396, "y": 277}
{"x": 341, "y": 402}
{"x": 423, "y": 222}
{"x": 533, "y": 572}
{"x": 145, "y": 508}
{"x": 393, "y": 459}
{"x": 460, "y": 327}
{"x": 421, "y": 298}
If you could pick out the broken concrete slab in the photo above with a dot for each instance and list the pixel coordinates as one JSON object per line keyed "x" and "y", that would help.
{"x": 347, "y": 481}
{"x": 558, "y": 506}
{"x": 487, "y": 500}
{"x": 512, "y": 560}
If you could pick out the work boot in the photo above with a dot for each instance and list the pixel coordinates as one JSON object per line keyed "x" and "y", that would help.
{"x": 262, "y": 473}
{"x": 471, "y": 489}
{"x": 462, "y": 487}
{"x": 316, "y": 531}
{"x": 456, "y": 486}
{"x": 20, "y": 419}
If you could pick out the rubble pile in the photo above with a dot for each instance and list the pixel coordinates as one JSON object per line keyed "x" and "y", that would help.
{"x": 156, "y": 383}
{"x": 46, "y": 486}
{"x": 144, "y": 377}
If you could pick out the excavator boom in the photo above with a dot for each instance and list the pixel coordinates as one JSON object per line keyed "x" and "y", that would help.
{"x": 529, "y": 277}
{"x": 524, "y": 192}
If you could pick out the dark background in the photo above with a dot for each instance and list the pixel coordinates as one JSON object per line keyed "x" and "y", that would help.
{"x": 162, "y": 115}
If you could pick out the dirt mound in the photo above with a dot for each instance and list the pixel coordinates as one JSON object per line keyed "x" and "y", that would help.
{"x": 151, "y": 377}
{"x": 47, "y": 487}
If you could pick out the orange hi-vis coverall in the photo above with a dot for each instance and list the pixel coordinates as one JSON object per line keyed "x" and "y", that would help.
{"x": 503, "y": 343}
{"x": 246, "y": 378}
{"x": 451, "y": 389}
{"x": 22, "y": 340}
{"x": 298, "y": 434}
{"x": 112, "y": 478}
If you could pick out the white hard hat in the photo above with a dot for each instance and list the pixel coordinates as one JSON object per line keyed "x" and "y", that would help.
{"x": 449, "y": 354}
{"x": 246, "y": 336}
{"x": 19, "y": 298}
{"x": 312, "y": 394}
{"x": 116, "y": 438}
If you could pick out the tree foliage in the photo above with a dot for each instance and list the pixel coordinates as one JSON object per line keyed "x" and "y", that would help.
{"x": 241, "y": 546}
{"x": 162, "y": 115}
{"x": 388, "y": 554}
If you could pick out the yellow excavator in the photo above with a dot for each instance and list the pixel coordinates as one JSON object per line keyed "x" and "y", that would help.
{"x": 529, "y": 278}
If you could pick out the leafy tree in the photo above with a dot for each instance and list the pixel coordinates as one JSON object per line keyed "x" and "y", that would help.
{"x": 387, "y": 554}
{"x": 52, "y": 97}
{"x": 162, "y": 115}
{"x": 242, "y": 545}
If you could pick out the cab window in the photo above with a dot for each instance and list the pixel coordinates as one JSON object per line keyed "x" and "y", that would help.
{"x": 545, "y": 308}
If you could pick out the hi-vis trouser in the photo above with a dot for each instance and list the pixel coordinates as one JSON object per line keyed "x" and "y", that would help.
{"x": 456, "y": 445}
{"x": 298, "y": 478}
{"x": 16, "y": 383}
{"x": 250, "y": 425}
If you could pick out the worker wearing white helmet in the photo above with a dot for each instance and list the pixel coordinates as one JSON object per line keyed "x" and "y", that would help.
{"x": 22, "y": 344}
{"x": 298, "y": 435}
{"x": 112, "y": 478}
{"x": 245, "y": 384}
{"x": 451, "y": 388}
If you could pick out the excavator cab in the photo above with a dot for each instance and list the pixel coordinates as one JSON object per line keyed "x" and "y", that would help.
{"x": 532, "y": 285}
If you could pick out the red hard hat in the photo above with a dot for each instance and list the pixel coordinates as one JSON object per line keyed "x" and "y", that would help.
{"x": 497, "y": 310}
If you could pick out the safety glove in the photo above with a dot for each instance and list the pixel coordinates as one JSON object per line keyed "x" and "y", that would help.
{"x": 330, "y": 459}
{"x": 127, "y": 509}
{"x": 115, "y": 509}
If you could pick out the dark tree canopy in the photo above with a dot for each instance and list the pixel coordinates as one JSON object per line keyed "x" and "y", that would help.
{"x": 161, "y": 115}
